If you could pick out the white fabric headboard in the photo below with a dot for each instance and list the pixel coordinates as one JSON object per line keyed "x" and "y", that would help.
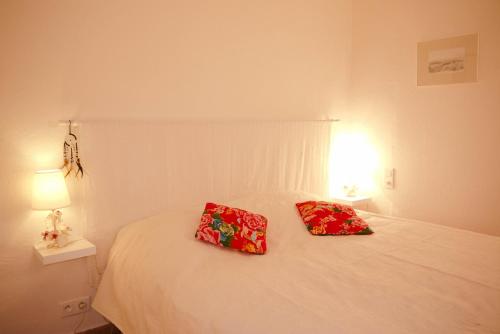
{"x": 138, "y": 169}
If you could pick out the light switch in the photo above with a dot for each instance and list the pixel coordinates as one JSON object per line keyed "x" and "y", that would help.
{"x": 389, "y": 178}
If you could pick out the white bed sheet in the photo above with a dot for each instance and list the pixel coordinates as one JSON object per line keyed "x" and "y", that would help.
{"x": 408, "y": 277}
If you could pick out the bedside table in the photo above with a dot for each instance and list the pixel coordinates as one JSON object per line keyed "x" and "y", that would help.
{"x": 357, "y": 202}
{"x": 74, "y": 250}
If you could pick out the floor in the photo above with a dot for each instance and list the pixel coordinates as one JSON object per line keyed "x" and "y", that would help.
{"x": 108, "y": 329}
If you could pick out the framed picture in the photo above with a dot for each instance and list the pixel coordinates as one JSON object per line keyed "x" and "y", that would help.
{"x": 447, "y": 61}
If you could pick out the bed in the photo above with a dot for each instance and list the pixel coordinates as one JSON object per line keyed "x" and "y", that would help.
{"x": 407, "y": 277}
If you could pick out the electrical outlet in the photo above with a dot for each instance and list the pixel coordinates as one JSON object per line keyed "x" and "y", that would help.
{"x": 75, "y": 306}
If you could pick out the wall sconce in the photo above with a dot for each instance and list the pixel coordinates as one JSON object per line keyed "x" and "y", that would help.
{"x": 50, "y": 193}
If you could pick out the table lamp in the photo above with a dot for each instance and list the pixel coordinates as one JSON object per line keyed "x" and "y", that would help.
{"x": 50, "y": 193}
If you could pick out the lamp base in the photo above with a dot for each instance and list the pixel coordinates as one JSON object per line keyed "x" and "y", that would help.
{"x": 351, "y": 190}
{"x": 57, "y": 235}
{"x": 61, "y": 241}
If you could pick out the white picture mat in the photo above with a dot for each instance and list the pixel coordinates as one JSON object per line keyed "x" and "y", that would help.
{"x": 458, "y": 54}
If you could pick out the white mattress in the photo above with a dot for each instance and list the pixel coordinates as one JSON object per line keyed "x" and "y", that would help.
{"x": 408, "y": 277}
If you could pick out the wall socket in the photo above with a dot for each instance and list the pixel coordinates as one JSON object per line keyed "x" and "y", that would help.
{"x": 74, "y": 306}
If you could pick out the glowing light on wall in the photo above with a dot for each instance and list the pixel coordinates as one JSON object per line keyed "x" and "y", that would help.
{"x": 353, "y": 162}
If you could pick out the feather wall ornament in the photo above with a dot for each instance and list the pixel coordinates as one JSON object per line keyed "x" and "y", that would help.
{"x": 71, "y": 156}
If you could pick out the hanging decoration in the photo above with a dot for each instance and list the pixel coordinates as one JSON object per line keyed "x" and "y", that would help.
{"x": 71, "y": 156}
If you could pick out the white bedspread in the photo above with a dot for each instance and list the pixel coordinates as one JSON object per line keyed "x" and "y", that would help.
{"x": 408, "y": 277}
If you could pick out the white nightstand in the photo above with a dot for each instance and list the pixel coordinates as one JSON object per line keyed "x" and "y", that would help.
{"x": 74, "y": 250}
{"x": 357, "y": 202}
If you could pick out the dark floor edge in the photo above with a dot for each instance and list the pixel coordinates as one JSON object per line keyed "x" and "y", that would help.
{"x": 106, "y": 329}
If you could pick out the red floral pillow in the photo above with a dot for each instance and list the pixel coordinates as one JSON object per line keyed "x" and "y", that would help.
{"x": 235, "y": 228}
{"x": 323, "y": 218}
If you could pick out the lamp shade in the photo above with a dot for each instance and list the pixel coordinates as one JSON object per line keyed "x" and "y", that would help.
{"x": 49, "y": 190}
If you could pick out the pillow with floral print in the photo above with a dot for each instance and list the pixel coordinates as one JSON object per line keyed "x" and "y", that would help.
{"x": 235, "y": 228}
{"x": 324, "y": 218}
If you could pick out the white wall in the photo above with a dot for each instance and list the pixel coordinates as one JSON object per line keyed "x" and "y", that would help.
{"x": 442, "y": 140}
{"x": 108, "y": 60}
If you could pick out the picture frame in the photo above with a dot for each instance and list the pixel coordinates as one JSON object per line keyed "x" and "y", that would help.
{"x": 447, "y": 61}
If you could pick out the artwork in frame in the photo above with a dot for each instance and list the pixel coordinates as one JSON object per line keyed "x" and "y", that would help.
{"x": 447, "y": 61}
